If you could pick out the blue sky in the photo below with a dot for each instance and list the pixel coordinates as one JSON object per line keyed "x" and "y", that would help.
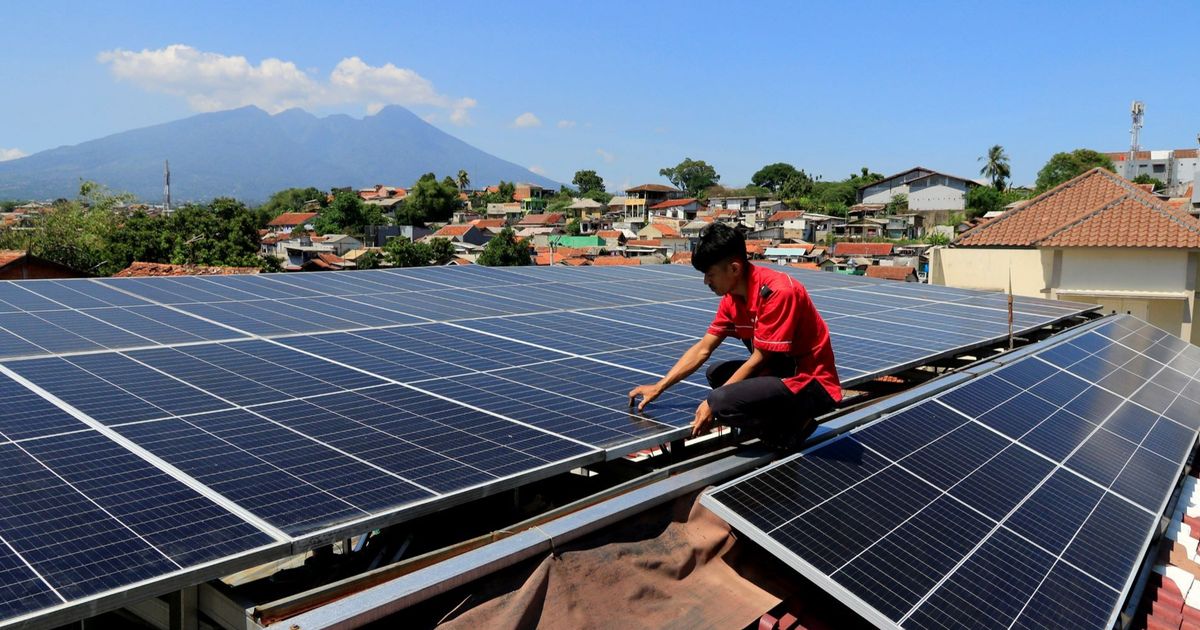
{"x": 628, "y": 88}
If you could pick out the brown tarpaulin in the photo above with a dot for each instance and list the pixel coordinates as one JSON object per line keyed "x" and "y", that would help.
{"x": 677, "y": 566}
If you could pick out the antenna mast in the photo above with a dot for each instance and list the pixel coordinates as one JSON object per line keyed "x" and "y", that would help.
{"x": 1136, "y": 111}
{"x": 166, "y": 187}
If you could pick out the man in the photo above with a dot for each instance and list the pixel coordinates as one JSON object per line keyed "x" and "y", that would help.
{"x": 790, "y": 377}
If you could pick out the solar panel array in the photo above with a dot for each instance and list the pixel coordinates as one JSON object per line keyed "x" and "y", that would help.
{"x": 166, "y": 427}
{"x": 1026, "y": 497}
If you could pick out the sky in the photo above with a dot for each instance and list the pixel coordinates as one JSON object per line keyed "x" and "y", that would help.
{"x": 627, "y": 88}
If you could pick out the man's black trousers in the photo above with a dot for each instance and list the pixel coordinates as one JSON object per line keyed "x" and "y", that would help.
{"x": 763, "y": 405}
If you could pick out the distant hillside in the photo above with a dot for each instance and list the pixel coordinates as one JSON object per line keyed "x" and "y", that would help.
{"x": 249, "y": 154}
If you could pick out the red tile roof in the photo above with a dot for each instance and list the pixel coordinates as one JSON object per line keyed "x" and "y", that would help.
{"x": 10, "y": 256}
{"x": 1096, "y": 209}
{"x": 490, "y": 224}
{"x": 890, "y": 273}
{"x": 644, "y": 242}
{"x": 785, "y": 215}
{"x": 604, "y": 261}
{"x": 609, "y": 234}
{"x": 146, "y": 269}
{"x": 862, "y": 249}
{"x": 541, "y": 219}
{"x": 681, "y": 258}
{"x": 807, "y": 247}
{"x": 454, "y": 230}
{"x": 673, "y": 203}
{"x": 292, "y": 218}
{"x": 576, "y": 262}
{"x": 805, "y": 265}
{"x": 667, "y": 231}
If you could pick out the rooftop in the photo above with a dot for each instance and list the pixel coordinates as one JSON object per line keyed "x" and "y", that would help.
{"x": 149, "y": 269}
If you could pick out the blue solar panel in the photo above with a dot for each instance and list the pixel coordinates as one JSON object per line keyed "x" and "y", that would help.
{"x": 28, "y": 415}
{"x": 1015, "y": 499}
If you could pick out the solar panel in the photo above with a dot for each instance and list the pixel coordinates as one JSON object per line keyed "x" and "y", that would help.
{"x": 1023, "y": 498}
{"x": 265, "y": 414}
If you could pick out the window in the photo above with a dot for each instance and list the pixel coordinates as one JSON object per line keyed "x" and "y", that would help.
{"x": 1160, "y": 168}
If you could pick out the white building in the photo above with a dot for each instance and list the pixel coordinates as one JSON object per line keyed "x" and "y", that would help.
{"x": 1174, "y": 168}
{"x": 928, "y": 192}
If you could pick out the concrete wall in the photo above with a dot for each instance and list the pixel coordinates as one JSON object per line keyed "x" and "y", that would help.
{"x": 987, "y": 269}
{"x": 1123, "y": 269}
{"x": 948, "y": 194}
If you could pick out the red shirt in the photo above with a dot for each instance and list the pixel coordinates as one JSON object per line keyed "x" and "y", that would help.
{"x": 778, "y": 316}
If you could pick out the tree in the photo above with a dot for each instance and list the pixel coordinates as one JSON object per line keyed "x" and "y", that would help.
{"x": 293, "y": 200}
{"x": 1145, "y": 178}
{"x": 401, "y": 252}
{"x": 1064, "y": 166}
{"x": 573, "y": 227}
{"x": 223, "y": 232}
{"x": 464, "y": 180}
{"x": 796, "y": 186}
{"x": 431, "y": 200}
{"x": 899, "y": 203}
{"x": 693, "y": 176}
{"x": 347, "y": 214}
{"x": 981, "y": 200}
{"x": 441, "y": 251}
{"x": 505, "y": 250}
{"x": 774, "y": 176}
{"x": 588, "y": 181}
{"x": 369, "y": 260}
{"x": 995, "y": 167}
{"x": 937, "y": 238}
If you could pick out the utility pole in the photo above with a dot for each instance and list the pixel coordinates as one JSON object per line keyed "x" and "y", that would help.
{"x": 166, "y": 187}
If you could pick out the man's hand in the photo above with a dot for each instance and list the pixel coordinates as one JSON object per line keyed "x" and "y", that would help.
{"x": 704, "y": 419}
{"x": 647, "y": 393}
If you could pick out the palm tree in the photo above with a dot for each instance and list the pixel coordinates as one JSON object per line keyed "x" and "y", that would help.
{"x": 995, "y": 166}
{"x": 463, "y": 180}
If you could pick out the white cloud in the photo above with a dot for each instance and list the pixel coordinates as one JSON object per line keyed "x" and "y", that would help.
{"x": 566, "y": 124}
{"x": 537, "y": 169}
{"x": 11, "y": 154}
{"x": 608, "y": 157}
{"x": 526, "y": 120}
{"x": 212, "y": 81}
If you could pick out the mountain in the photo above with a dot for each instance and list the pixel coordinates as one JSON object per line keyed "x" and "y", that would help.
{"x": 249, "y": 154}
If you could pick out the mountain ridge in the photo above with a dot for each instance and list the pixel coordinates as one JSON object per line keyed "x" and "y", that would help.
{"x": 249, "y": 154}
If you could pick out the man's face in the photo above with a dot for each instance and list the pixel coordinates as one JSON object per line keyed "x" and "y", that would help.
{"x": 723, "y": 276}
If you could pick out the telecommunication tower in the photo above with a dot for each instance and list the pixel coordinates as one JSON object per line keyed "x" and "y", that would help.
{"x": 166, "y": 187}
{"x": 1136, "y": 111}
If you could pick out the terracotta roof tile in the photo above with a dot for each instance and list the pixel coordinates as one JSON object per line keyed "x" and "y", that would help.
{"x": 681, "y": 258}
{"x": 862, "y": 249}
{"x": 1096, "y": 209}
{"x": 9, "y": 256}
{"x": 672, "y": 203}
{"x": 541, "y": 219}
{"x": 292, "y": 218}
{"x": 605, "y": 261}
{"x": 890, "y": 273}
{"x": 454, "y": 230}
{"x": 805, "y": 265}
{"x": 652, "y": 188}
{"x": 644, "y": 242}
{"x": 609, "y": 233}
{"x": 667, "y": 231}
{"x": 785, "y": 215}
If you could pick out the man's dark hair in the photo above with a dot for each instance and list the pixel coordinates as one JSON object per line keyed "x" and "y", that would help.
{"x": 718, "y": 242}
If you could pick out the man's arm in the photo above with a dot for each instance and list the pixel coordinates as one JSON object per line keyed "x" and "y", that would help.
{"x": 752, "y": 367}
{"x": 688, "y": 363}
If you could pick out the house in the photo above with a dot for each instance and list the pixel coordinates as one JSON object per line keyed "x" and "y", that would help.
{"x": 862, "y": 250}
{"x": 407, "y": 232}
{"x": 785, "y": 255}
{"x": 342, "y": 243}
{"x": 20, "y": 265}
{"x": 490, "y": 226}
{"x": 893, "y": 272}
{"x": 1096, "y": 239}
{"x": 542, "y": 220}
{"x": 684, "y": 209}
{"x": 691, "y": 231}
{"x": 639, "y": 199}
{"x": 325, "y": 261}
{"x": 904, "y": 225}
{"x": 511, "y": 212}
{"x": 531, "y": 197}
{"x": 466, "y": 233}
{"x": 606, "y": 261}
{"x": 1174, "y": 168}
{"x": 297, "y": 251}
{"x": 612, "y": 238}
{"x": 866, "y": 228}
{"x": 930, "y": 193}
{"x": 681, "y": 258}
{"x": 746, "y": 207}
{"x": 584, "y": 208}
{"x": 660, "y": 230}
{"x": 819, "y": 227}
{"x": 289, "y": 221}
{"x": 379, "y": 192}
{"x": 579, "y": 242}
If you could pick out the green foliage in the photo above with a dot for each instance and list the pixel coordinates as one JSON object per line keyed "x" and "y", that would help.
{"x": 573, "y": 227}
{"x": 505, "y": 250}
{"x": 774, "y": 176}
{"x": 898, "y": 204}
{"x": 347, "y": 214}
{"x": 463, "y": 181}
{"x": 995, "y": 167}
{"x": 223, "y": 232}
{"x": 431, "y": 201}
{"x": 597, "y": 195}
{"x": 981, "y": 200}
{"x": 956, "y": 218}
{"x": 587, "y": 181}
{"x": 69, "y": 234}
{"x": 293, "y": 200}
{"x": 693, "y": 176}
{"x": 1064, "y": 166}
{"x": 369, "y": 260}
{"x": 442, "y": 251}
{"x": 559, "y": 204}
{"x": 8, "y": 205}
{"x": 505, "y": 195}
{"x": 1147, "y": 179}
{"x": 797, "y": 185}
{"x": 937, "y": 238}
{"x": 401, "y": 252}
